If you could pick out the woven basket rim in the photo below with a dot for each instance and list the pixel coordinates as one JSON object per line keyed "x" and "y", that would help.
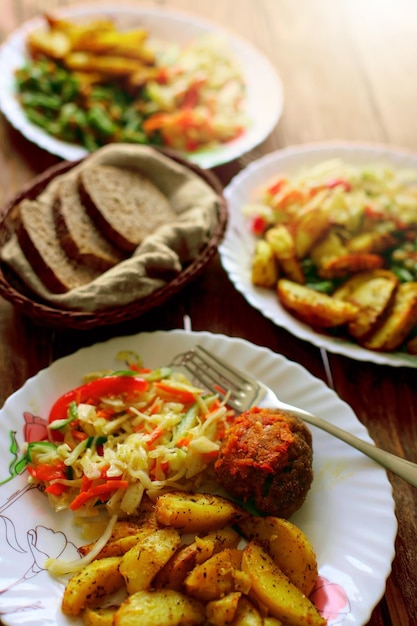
{"x": 45, "y": 313}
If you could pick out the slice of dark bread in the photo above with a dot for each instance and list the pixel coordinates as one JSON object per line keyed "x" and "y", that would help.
{"x": 37, "y": 238}
{"x": 76, "y": 231}
{"x": 125, "y": 205}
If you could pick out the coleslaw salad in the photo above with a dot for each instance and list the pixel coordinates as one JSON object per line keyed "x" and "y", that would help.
{"x": 123, "y": 434}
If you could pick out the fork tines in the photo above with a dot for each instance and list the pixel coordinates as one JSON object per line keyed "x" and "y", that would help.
{"x": 204, "y": 369}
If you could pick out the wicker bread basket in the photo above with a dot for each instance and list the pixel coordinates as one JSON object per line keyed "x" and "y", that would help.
{"x": 13, "y": 290}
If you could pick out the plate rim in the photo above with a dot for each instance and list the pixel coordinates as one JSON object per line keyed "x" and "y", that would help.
{"x": 208, "y": 158}
{"x": 256, "y": 296}
{"x": 227, "y": 344}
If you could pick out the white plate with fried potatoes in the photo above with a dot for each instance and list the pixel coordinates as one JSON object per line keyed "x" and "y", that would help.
{"x": 264, "y": 92}
{"x": 237, "y": 248}
{"x": 348, "y": 515}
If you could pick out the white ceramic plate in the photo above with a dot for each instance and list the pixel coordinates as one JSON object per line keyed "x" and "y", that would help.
{"x": 237, "y": 248}
{"x": 264, "y": 88}
{"x": 348, "y": 515}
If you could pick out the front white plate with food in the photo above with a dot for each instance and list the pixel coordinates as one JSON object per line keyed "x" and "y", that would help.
{"x": 238, "y": 245}
{"x": 348, "y": 515}
{"x": 264, "y": 93}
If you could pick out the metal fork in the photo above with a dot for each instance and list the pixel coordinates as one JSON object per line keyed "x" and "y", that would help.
{"x": 242, "y": 392}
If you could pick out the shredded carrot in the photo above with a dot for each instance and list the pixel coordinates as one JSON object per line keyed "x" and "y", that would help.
{"x": 98, "y": 491}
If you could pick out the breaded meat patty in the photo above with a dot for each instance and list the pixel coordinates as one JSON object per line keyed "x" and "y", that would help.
{"x": 266, "y": 460}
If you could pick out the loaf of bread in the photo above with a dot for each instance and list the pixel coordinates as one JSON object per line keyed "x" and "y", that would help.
{"x": 125, "y": 205}
{"x": 37, "y": 238}
{"x": 148, "y": 218}
{"x": 76, "y": 231}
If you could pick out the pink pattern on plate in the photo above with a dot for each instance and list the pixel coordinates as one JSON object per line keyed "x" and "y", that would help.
{"x": 35, "y": 428}
{"x": 331, "y": 600}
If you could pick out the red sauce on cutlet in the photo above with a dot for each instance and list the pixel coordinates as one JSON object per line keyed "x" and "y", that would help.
{"x": 259, "y": 439}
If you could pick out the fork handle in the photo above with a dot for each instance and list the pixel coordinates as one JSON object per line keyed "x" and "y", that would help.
{"x": 401, "y": 467}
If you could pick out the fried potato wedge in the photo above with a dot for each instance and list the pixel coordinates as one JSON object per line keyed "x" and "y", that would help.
{"x": 372, "y": 292}
{"x": 283, "y": 245}
{"x": 397, "y": 322}
{"x": 247, "y": 614}
{"x": 127, "y": 532}
{"x": 141, "y": 563}
{"x": 173, "y": 574}
{"x": 197, "y": 512}
{"x": 163, "y": 607}
{"x": 350, "y": 263}
{"x": 309, "y": 226}
{"x": 112, "y": 66}
{"x": 314, "y": 308}
{"x": 328, "y": 248}
{"x": 91, "y": 584}
{"x": 219, "y": 575}
{"x": 99, "y": 617}
{"x": 223, "y": 611}
{"x": 283, "y": 599}
{"x": 373, "y": 242}
{"x": 289, "y": 547}
{"x": 264, "y": 271}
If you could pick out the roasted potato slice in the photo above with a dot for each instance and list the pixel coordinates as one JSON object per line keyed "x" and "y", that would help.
{"x": 223, "y": 611}
{"x": 310, "y": 226}
{"x": 247, "y": 614}
{"x": 91, "y": 584}
{"x": 197, "y": 512}
{"x": 264, "y": 265}
{"x": 328, "y": 248}
{"x": 372, "y": 292}
{"x": 274, "y": 589}
{"x": 283, "y": 245}
{"x": 219, "y": 575}
{"x": 289, "y": 547}
{"x": 141, "y": 563}
{"x": 173, "y": 574}
{"x": 350, "y": 263}
{"x": 163, "y": 607}
{"x": 99, "y": 617}
{"x": 374, "y": 242}
{"x": 314, "y": 308}
{"x": 398, "y": 320}
{"x": 112, "y": 66}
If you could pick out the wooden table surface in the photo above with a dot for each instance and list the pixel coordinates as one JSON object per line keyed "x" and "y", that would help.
{"x": 349, "y": 73}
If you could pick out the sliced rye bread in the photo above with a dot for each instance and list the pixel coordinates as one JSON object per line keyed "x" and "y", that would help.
{"x": 37, "y": 238}
{"x": 126, "y": 205}
{"x": 76, "y": 231}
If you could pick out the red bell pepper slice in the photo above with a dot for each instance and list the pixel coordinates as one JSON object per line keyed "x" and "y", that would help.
{"x": 48, "y": 471}
{"x": 94, "y": 390}
{"x": 98, "y": 491}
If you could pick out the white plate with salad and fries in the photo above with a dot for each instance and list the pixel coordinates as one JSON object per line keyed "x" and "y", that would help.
{"x": 245, "y": 192}
{"x": 250, "y": 83}
{"x": 348, "y": 515}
